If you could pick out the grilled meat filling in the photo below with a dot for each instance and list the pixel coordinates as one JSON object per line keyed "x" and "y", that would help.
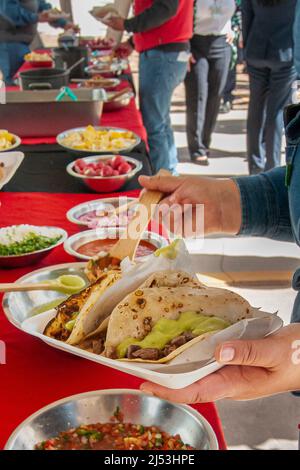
{"x": 153, "y": 354}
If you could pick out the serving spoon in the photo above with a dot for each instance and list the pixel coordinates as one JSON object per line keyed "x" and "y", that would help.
{"x": 67, "y": 284}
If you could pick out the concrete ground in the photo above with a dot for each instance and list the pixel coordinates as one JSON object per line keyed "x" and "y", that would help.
{"x": 269, "y": 423}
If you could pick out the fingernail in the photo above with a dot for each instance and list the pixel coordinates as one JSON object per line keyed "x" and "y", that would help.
{"x": 164, "y": 209}
{"x": 227, "y": 354}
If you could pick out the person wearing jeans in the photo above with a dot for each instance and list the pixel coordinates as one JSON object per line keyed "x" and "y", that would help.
{"x": 160, "y": 73}
{"x": 162, "y": 30}
{"x": 268, "y": 42}
{"x": 264, "y": 205}
{"x": 207, "y": 78}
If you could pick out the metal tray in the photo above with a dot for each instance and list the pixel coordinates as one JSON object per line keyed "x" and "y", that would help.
{"x": 18, "y": 306}
{"x": 28, "y": 113}
{"x": 99, "y": 406}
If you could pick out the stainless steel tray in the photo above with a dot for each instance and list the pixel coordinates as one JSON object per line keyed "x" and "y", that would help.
{"x": 28, "y": 113}
{"x": 18, "y": 306}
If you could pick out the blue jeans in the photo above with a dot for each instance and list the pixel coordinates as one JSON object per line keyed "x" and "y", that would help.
{"x": 270, "y": 91}
{"x": 11, "y": 59}
{"x": 160, "y": 73}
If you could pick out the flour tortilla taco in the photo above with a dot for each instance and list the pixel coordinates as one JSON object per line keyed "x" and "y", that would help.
{"x": 95, "y": 340}
{"x": 68, "y": 324}
{"x": 168, "y": 314}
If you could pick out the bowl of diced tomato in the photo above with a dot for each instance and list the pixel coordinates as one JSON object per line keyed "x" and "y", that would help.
{"x": 104, "y": 173}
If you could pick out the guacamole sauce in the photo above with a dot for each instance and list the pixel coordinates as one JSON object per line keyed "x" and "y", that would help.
{"x": 165, "y": 330}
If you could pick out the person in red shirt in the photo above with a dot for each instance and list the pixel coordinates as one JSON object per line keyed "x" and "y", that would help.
{"x": 161, "y": 33}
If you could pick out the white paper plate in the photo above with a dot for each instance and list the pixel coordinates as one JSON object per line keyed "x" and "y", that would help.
{"x": 190, "y": 366}
{"x": 12, "y": 161}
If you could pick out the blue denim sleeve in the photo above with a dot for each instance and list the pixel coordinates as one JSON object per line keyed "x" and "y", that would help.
{"x": 43, "y": 6}
{"x": 265, "y": 205}
{"x": 19, "y": 16}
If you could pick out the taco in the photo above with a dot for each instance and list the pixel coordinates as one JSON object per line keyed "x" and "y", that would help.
{"x": 95, "y": 340}
{"x": 67, "y": 325}
{"x": 168, "y": 313}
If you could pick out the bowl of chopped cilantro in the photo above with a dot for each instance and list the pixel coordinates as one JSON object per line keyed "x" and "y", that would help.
{"x": 23, "y": 245}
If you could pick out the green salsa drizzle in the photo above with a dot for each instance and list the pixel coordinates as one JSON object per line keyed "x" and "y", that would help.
{"x": 165, "y": 330}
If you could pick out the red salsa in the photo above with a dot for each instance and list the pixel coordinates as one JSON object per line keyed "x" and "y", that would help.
{"x": 96, "y": 246}
{"x": 114, "y": 436}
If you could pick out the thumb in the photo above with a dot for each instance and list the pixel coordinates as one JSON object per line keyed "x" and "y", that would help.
{"x": 258, "y": 353}
{"x": 165, "y": 184}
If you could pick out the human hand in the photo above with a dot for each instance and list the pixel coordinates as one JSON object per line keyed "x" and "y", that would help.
{"x": 44, "y": 17}
{"x": 192, "y": 61}
{"x": 220, "y": 198}
{"x": 74, "y": 28}
{"x": 256, "y": 369}
{"x": 230, "y": 38}
{"x": 124, "y": 50}
{"x": 115, "y": 22}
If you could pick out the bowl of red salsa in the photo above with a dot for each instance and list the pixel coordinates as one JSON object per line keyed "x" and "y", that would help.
{"x": 88, "y": 244}
{"x": 114, "y": 420}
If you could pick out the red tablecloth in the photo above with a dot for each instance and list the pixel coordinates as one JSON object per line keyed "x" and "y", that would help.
{"x": 36, "y": 374}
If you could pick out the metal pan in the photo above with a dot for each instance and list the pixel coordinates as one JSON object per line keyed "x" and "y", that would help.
{"x": 99, "y": 406}
{"x": 43, "y": 79}
{"x": 60, "y": 138}
{"x": 47, "y": 79}
{"x": 47, "y": 116}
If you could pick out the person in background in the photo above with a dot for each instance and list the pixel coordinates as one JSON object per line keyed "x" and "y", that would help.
{"x": 236, "y": 54}
{"x": 264, "y": 205}
{"x": 162, "y": 30}
{"x": 205, "y": 83}
{"x": 268, "y": 45}
{"x": 18, "y": 26}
